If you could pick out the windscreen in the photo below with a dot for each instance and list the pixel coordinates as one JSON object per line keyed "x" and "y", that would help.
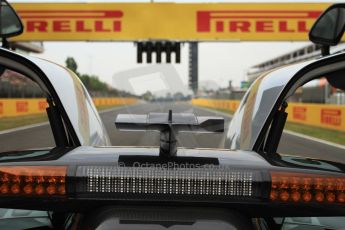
{"x": 23, "y": 119}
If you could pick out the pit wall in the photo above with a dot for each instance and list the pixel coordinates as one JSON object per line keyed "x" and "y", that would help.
{"x": 22, "y": 106}
{"x": 319, "y": 115}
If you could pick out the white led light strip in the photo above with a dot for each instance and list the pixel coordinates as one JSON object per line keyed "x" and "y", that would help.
{"x": 177, "y": 181}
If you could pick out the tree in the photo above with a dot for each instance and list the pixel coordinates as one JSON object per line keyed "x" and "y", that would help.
{"x": 148, "y": 96}
{"x": 72, "y": 65}
{"x": 92, "y": 83}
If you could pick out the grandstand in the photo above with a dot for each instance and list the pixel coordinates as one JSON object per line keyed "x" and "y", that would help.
{"x": 318, "y": 91}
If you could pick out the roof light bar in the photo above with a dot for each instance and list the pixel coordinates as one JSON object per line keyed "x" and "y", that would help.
{"x": 202, "y": 182}
{"x": 32, "y": 180}
{"x": 304, "y": 187}
{"x": 83, "y": 186}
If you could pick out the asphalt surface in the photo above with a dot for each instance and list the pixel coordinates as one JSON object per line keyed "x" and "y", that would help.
{"x": 38, "y": 137}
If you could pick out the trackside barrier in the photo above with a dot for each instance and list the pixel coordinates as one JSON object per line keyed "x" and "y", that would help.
{"x": 22, "y": 106}
{"x": 114, "y": 101}
{"x": 230, "y": 105}
{"x": 319, "y": 115}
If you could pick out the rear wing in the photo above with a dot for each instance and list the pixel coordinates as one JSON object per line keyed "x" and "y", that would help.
{"x": 169, "y": 124}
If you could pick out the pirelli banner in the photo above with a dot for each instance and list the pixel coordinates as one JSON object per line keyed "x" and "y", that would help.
{"x": 21, "y": 106}
{"x": 325, "y": 116}
{"x": 319, "y": 115}
{"x": 168, "y": 21}
{"x": 226, "y": 105}
{"x": 25, "y": 106}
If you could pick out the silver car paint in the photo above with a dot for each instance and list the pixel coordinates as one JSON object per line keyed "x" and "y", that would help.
{"x": 90, "y": 155}
{"x": 74, "y": 97}
{"x": 250, "y": 118}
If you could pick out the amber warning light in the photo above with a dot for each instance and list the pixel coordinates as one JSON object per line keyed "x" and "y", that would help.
{"x": 32, "y": 180}
{"x": 304, "y": 187}
{"x": 90, "y": 184}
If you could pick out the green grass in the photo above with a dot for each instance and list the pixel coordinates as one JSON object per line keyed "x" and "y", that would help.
{"x": 15, "y": 122}
{"x": 221, "y": 110}
{"x": 104, "y": 107}
{"x": 321, "y": 133}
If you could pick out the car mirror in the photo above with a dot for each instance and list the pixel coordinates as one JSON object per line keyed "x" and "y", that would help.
{"x": 329, "y": 27}
{"x": 10, "y": 23}
{"x": 336, "y": 79}
{"x": 2, "y": 70}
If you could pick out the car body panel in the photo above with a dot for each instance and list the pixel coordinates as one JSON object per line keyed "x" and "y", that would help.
{"x": 70, "y": 91}
{"x": 77, "y": 103}
{"x": 256, "y": 105}
{"x": 265, "y": 95}
{"x": 110, "y": 156}
{"x": 116, "y": 156}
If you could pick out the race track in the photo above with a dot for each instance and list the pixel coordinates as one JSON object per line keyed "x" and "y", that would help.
{"x": 40, "y": 136}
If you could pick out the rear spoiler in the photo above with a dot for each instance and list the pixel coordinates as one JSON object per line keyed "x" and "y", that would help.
{"x": 169, "y": 124}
